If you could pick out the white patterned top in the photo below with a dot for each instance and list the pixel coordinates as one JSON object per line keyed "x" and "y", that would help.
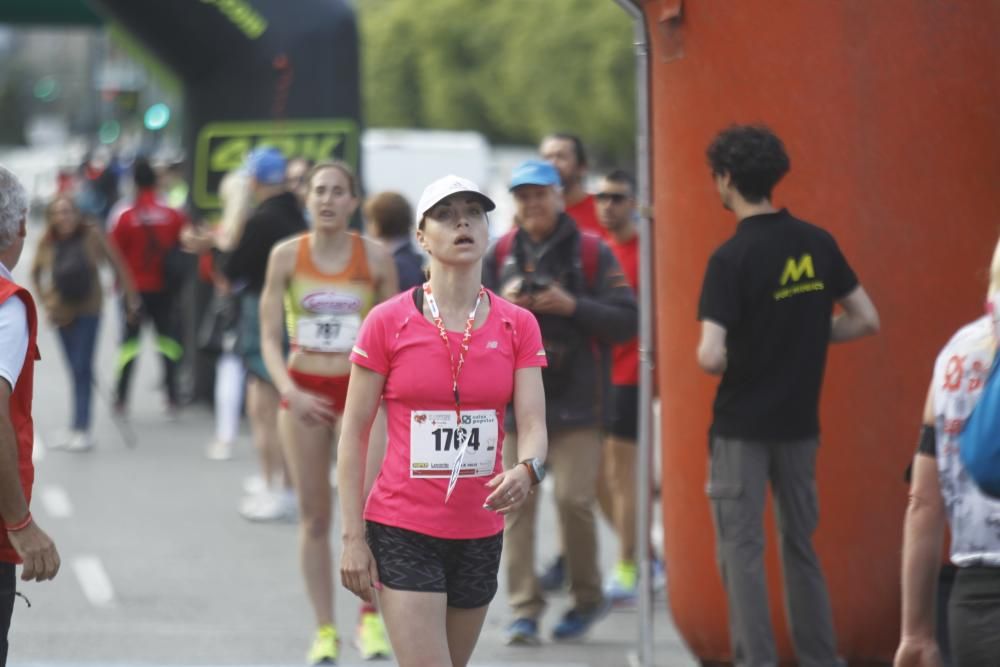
{"x": 960, "y": 372}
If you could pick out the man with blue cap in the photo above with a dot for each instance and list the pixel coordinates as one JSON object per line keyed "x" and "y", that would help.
{"x": 575, "y": 287}
{"x": 277, "y": 217}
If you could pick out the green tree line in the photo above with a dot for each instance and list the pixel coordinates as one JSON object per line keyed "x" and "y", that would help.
{"x": 511, "y": 69}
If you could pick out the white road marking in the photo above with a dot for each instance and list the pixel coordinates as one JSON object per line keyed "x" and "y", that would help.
{"x": 56, "y": 502}
{"x": 94, "y": 581}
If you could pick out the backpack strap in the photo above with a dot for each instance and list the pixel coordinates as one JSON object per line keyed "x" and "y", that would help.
{"x": 590, "y": 254}
{"x": 501, "y": 251}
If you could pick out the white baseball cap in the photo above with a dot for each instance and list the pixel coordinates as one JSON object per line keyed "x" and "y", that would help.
{"x": 445, "y": 187}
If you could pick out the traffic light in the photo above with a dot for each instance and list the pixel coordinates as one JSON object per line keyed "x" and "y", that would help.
{"x": 109, "y": 131}
{"x": 46, "y": 89}
{"x": 156, "y": 117}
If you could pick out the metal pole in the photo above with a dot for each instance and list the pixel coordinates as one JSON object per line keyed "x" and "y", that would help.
{"x": 644, "y": 459}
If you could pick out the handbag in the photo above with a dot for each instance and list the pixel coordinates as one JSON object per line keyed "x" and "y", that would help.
{"x": 979, "y": 441}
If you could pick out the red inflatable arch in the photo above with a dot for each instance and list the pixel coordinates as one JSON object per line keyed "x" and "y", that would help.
{"x": 890, "y": 111}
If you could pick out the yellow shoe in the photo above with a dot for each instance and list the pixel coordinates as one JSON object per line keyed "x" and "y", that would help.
{"x": 325, "y": 647}
{"x": 371, "y": 640}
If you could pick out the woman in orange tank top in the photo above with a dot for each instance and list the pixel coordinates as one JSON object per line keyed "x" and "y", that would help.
{"x": 323, "y": 283}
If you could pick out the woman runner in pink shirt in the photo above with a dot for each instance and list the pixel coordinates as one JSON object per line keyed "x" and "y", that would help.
{"x": 446, "y": 354}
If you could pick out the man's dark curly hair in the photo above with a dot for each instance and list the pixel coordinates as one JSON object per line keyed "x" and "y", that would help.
{"x": 753, "y": 156}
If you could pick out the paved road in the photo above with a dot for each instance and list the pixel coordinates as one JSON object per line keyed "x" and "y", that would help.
{"x": 159, "y": 569}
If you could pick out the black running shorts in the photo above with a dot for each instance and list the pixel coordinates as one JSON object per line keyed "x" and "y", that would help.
{"x": 466, "y": 570}
{"x": 622, "y": 418}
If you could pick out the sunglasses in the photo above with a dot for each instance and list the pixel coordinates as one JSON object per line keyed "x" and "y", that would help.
{"x": 616, "y": 197}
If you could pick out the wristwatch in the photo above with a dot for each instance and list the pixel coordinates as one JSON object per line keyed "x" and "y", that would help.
{"x": 535, "y": 468}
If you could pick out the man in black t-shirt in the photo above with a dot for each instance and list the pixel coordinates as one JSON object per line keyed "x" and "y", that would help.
{"x": 766, "y": 314}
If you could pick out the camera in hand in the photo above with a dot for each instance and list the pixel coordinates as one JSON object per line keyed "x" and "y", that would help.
{"x": 534, "y": 283}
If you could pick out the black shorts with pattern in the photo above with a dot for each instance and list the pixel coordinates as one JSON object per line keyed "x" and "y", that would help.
{"x": 466, "y": 570}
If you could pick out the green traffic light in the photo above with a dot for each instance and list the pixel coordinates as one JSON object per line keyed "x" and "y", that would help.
{"x": 157, "y": 116}
{"x": 109, "y": 132}
{"x": 46, "y": 89}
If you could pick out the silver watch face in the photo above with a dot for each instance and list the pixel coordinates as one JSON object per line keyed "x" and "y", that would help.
{"x": 539, "y": 469}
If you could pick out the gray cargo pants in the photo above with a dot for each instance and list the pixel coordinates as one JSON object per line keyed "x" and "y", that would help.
{"x": 739, "y": 471}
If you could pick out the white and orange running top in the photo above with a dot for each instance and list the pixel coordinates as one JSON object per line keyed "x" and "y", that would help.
{"x": 323, "y": 311}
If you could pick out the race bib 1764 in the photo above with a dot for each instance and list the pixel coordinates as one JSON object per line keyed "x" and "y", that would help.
{"x": 435, "y": 442}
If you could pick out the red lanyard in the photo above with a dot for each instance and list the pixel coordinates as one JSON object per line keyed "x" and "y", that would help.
{"x": 456, "y": 369}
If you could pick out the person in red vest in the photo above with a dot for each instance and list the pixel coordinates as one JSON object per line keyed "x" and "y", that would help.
{"x": 22, "y": 540}
{"x": 567, "y": 154}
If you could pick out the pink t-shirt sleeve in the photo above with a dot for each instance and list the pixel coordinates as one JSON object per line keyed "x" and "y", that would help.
{"x": 371, "y": 350}
{"x": 530, "y": 352}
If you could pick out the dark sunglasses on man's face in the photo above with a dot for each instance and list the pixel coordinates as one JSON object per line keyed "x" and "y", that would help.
{"x": 616, "y": 197}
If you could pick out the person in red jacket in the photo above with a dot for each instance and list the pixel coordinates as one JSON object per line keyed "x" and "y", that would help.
{"x": 22, "y": 541}
{"x": 144, "y": 233}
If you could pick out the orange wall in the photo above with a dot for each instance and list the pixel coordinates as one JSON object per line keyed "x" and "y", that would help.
{"x": 890, "y": 112}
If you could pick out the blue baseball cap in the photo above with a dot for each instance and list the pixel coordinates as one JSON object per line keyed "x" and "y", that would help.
{"x": 534, "y": 172}
{"x": 266, "y": 165}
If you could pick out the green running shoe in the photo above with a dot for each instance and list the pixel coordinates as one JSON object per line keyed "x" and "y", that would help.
{"x": 372, "y": 641}
{"x": 325, "y": 646}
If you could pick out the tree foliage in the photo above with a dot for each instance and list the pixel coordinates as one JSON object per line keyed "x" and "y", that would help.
{"x": 511, "y": 69}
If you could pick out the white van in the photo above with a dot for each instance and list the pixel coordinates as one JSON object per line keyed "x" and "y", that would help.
{"x": 407, "y": 160}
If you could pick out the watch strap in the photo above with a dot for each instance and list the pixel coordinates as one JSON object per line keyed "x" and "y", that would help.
{"x": 527, "y": 463}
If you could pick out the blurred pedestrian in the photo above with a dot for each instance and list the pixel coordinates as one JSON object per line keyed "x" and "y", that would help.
{"x": 390, "y": 220}
{"x": 146, "y": 235}
{"x": 220, "y": 330}
{"x": 943, "y": 494}
{"x": 429, "y": 539}
{"x": 766, "y": 322}
{"x": 98, "y": 184}
{"x": 567, "y": 154}
{"x": 573, "y": 284}
{"x": 616, "y": 211}
{"x": 66, "y": 276}
{"x": 173, "y": 185}
{"x": 276, "y": 217}
{"x": 23, "y": 541}
{"x": 297, "y": 177}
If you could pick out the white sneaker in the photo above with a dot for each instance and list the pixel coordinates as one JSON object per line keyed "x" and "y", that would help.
{"x": 219, "y": 450}
{"x": 254, "y": 485}
{"x": 80, "y": 442}
{"x": 267, "y": 506}
{"x": 63, "y": 440}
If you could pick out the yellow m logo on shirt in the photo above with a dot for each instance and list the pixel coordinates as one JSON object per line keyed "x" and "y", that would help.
{"x": 794, "y": 271}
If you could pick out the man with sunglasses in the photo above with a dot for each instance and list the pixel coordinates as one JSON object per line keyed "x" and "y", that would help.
{"x": 616, "y": 485}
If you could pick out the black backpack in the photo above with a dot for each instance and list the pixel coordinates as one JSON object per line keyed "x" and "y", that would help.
{"x": 72, "y": 270}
